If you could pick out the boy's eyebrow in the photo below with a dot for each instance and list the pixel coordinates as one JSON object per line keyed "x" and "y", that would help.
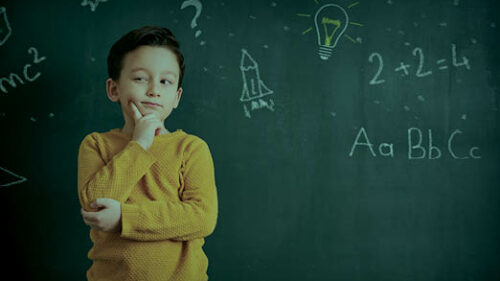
{"x": 144, "y": 69}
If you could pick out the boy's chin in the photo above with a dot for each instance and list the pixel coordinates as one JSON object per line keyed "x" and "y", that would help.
{"x": 150, "y": 110}
{"x": 156, "y": 113}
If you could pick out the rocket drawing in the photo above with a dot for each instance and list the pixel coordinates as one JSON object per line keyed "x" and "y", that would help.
{"x": 253, "y": 87}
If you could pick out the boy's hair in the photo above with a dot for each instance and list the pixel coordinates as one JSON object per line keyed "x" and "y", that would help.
{"x": 144, "y": 36}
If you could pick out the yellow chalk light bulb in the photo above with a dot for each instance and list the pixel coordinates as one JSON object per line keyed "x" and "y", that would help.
{"x": 331, "y": 22}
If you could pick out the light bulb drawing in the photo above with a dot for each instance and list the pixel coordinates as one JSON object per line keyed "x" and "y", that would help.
{"x": 331, "y": 22}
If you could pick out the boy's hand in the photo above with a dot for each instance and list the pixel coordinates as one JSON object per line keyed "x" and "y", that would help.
{"x": 107, "y": 218}
{"x": 145, "y": 127}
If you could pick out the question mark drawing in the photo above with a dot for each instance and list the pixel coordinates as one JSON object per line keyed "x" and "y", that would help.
{"x": 197, "y": 5}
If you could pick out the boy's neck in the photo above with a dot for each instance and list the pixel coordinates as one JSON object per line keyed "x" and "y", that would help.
{"x": 129, "y": 130}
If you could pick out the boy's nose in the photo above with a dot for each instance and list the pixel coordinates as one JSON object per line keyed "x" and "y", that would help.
{"x": 152, "y": 93}
{"x": 153, "y": 90}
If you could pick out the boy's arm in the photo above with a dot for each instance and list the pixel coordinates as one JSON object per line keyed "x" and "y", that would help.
{"x": 193, "y": 217}
{"x": 115, "y": 179}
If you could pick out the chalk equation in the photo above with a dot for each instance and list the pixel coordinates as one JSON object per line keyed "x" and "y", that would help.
{"x": 11, "y": 80}
{"x": 5, "y": 29}
{"x": 421, "y": 70}
{"x": 17, "y": 179}
{"x": 331, "y": 22}
{"x": 254, "y": 91}
{"x": 417, "y": 149}
{"x": 93, "y": 4}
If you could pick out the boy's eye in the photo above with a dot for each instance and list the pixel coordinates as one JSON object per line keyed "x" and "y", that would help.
{"x": 139, "y": 79}
{"x": 166, "y": 82}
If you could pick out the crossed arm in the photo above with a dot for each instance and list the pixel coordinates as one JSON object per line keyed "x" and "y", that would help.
{"x": 107, "y": 217}
{"x": 103, "y": 189}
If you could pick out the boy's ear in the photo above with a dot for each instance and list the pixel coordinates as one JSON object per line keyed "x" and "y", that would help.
{"x": 179, "y": 94}
{"x": 112, "y": 90}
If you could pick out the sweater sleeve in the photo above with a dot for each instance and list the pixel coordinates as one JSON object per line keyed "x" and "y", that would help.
{"x": 194, "y": 216}
{"x": 115, "y": 179}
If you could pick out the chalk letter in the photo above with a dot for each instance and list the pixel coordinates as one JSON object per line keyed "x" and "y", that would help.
{"x": 432, "y": 148}
{"x": 367, "y": 143}
{"x": 411, "y": 147}
{"x": 450, "y": 146}
{"x": 388, "y": 145}
{"x": 472, "y": 153}
{"x": 26, "y": 73}
{"x": 10, "y": 81}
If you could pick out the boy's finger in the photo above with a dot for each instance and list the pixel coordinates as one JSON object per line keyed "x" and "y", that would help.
{"x": 87, "y": 222}
{"x": 88, "y": 216}
{"x": 148, "y": 116}
{"x": 91, "y": 224}
{"x": 102, "y": 202}
{"x": 135, "y": 111}
{"x": 99, "y": 205}
{"x": 84, "y": 213}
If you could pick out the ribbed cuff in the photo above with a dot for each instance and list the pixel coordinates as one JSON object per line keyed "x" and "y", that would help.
{"x": 130, "y": 217}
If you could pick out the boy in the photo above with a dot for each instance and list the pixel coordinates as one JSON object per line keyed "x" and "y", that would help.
{"x": 148, "y": 194}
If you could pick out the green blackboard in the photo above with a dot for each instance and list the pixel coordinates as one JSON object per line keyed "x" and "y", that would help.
{"x": 352, "y": 140}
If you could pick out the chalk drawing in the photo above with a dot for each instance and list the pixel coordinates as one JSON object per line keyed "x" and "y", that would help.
{"x": 331, "y": 22}
{"x": 375, "y": 80}
{"x": 20, "y": 179}
{"x": 254, "y": 90}
{"x": 403, "y": 67}
{"x": 5, "y": 30}
{"x": 417, "y": 148}
{"x": 198, "y": 7}
{"x": 29, "y": 78}
{"x": 92, "y": 4}
{"x": 418, "y": 52}
{"x": 465, "y": 60}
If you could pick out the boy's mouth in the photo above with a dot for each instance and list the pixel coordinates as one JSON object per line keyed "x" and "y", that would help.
{"x": 151, "y": 104}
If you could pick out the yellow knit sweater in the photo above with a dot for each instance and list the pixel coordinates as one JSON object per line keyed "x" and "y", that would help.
{"x": 168, "y": 201}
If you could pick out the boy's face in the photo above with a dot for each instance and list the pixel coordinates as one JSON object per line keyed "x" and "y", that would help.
{"x": 149, "y": 74}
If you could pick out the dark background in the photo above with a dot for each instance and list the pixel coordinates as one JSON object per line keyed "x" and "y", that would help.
{"x": 295, "y": 203}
